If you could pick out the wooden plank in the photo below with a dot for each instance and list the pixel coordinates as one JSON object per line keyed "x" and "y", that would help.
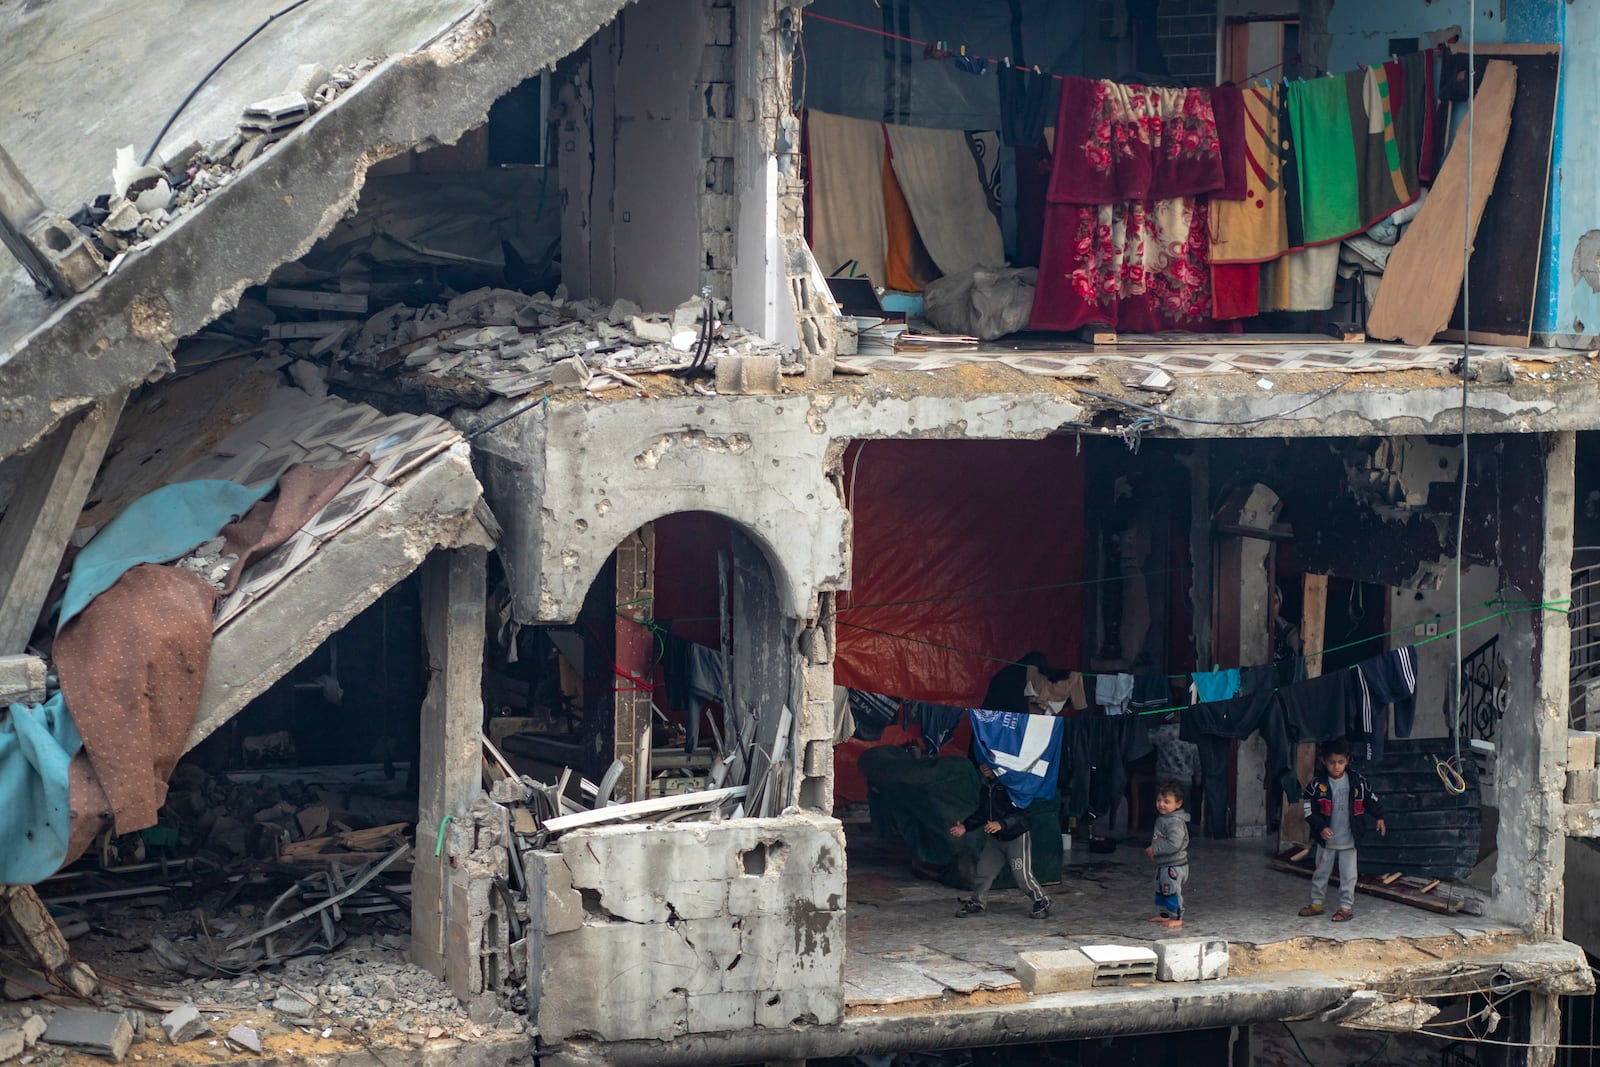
{"x": 1511, "y": 235}
{"x": 636, "y": 647}
{"x": 1426, "y": 267}
{"x": 354, "y": 840}
{"x": 50, "y": 491}
{"x": 1229, "y": 340}
{"x": 1292, "y": 827}
{"x": 1373, "y": 886}
{"x": 640, "y": 808}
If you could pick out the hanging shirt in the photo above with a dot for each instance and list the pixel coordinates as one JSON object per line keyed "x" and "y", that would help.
{"x": 1113, "y": 692}
{"x": 1208, "y": 686}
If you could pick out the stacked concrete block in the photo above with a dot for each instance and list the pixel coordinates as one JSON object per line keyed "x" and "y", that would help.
{"x": 1055, "y": 972}
{"x": 1191, "y": 959}
{"x": 660, "y": 931}
{"x": 1583, "y": 781}
{"x": 718, "y": 207}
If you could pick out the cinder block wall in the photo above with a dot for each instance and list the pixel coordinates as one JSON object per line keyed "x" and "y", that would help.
{"x": 1188, "y": 33}
{"x": 653, "y": 932}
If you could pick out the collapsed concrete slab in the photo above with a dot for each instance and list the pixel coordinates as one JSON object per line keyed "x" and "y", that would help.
{"x": 123, "y": 329}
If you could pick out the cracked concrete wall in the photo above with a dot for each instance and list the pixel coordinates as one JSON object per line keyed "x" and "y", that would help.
{"x": 658, "y": 932}
{"x": 124, "y": 328}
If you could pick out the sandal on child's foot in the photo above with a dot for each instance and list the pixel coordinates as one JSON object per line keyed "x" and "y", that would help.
{"x": 1163, "y": 917}
{"x": 1172, "y": 924}
{"x": 1343, "y": 915}
{"x": 1311, "y": 909}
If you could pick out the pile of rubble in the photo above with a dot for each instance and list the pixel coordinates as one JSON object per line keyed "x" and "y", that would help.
{"x": 501, "y": 342}
{"x": 145, "y": 199}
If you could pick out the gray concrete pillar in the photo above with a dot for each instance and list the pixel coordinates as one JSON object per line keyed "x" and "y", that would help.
{"x": 450, "y": 771}
{"x": 1536, "y": 525}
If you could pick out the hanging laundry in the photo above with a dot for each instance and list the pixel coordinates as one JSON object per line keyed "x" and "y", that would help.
{"x": 1407, "y": 108}
{"x": 970, "y": 64}
{"x": 1151, "y": 692}
{"x": 937, "y": 723}
{"x": 1113, "y": 692}
{"x": 1227, "y": 106}
{"x": 37, "y": 743}
{"x": 937, "y": 172}
{"x": 847, "y": 212}
{"x": 1289, "y": 174}
{"x": 1330, "y": 204}
{"x": 1056, "y": 695}
{"x": 1138, "y": 266}
{"x": 1303, "y": 280}
{"x": 1026, "y": 100}
{"x": 1256, "y": 228}
{"x": 907, "y": 266}
{"x": 1235, "y": 288}
{"x": 1098, "y": 751}
{"x": 873, "y": 712}
{"x": 1214, "y": 727}
{"x": 1033, "y": 182}
{"x": 1384, "y": 182}
{"x": 1389, "y": 678}
{"x": 1208, "y": 686}
{"x": 1117, "y": 143}
{"x": 1431, "y": 139}
{"x": 1024, "y": 750}
{"x": 1317, "y": 709}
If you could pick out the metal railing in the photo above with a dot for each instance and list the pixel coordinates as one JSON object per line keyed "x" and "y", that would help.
{"x": 1483, "y": 688}
{"x": 1584, "y": 676}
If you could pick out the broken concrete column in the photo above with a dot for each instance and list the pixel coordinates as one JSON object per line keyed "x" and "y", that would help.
{"x": 658, "y": 931}
{"x": 453, "y": 591}
{"x": 52, "y": 250}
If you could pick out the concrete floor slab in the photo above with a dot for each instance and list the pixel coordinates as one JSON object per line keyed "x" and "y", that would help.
{"x": 906, "y": 923}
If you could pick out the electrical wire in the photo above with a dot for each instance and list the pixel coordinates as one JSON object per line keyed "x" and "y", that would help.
{"x": 218, "y": 65}
{"x": 1158, "y": 413}
{"x": 1466, "y": 355}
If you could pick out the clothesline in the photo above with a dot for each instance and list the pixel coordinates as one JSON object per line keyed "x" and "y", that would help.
{"x": 960, "y": 51}
{"x": 1511, "y": 608}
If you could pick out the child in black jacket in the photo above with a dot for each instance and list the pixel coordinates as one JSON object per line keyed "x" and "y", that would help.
{"x": 1339, "y": 805}
{"x": 1006, "y": 841}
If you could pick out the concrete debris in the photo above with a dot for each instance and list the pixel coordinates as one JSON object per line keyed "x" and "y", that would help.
{"x": 184, "y": 1024}
{"x": 33, "y": 1028}
{"x": 11, "y": 1044}
{"x": 210, "y": 562}
{"x": 102, "y": 1033}
{"x": 156, "y": 196}
{"x": 245, "y": 1037}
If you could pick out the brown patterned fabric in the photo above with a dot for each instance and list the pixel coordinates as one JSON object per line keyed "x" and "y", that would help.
{"x": 132, "y": 664}
{"x": 302, "y": 492}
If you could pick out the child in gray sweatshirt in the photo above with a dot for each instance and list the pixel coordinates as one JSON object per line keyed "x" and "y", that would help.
{"x": 1169, "y": 847}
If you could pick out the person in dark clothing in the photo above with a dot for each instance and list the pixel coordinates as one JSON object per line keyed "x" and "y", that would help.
{"x": 1006, "y": 841}
{"x": 1339, "y": 805}
{"x": 1169, "y": 847}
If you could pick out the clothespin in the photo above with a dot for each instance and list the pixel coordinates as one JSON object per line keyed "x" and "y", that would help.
{"x": 1007, "y": 62}
{"x": 963, "y": 49}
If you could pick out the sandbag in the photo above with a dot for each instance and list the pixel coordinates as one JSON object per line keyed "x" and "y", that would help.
{"x": 986, "y": 303}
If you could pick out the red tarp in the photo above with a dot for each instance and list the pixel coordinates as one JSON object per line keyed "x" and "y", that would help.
{"x": 969, "y": 546}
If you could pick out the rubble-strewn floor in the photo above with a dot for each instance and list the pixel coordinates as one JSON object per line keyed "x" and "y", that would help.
{"x": 905, "y": 945}
{"x": 364, "y": 998}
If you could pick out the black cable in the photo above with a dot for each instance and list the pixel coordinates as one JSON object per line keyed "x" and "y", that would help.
{"x": 201, "y": 84}
{"x": 1158, "y": 413}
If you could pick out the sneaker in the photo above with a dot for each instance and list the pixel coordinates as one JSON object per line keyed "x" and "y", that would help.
{"x": 968, "y": 907}
{"x": 1311, "y": 909}
{"x": 1041, "y": 908}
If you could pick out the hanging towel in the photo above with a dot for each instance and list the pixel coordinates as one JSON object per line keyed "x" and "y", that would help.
{"x": 1256, "y": 228}
{"x": 1330, "y": 204}
{"x": 1208, "y": 686}
{"x": 1139, "y": 266}
{"x": 1289, "y": 172}
{"x": 1113, "y": 692}
{"x": 1303, "y": 280}
{"x": 37, "y": 743}
{"x": 937, "y": 723}
{"x": 1033, "y": 181}
{"x": 1431, "y": 141}
{"x": 847, "y": 214}
{"x": 1133, "y": 142}
{"x": 1227, "y": 105}
{"x": 1384, "y": 183}
{"x": 1024, "y": 750}
{"x": 944, "y": 187}
{"x": 1407, "y": 108}
{"x": 1235, "y": 288}
{"x": 1026, "y": 100}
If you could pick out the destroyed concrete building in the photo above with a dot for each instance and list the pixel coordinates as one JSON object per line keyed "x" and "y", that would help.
{"x": 561, "y": 696}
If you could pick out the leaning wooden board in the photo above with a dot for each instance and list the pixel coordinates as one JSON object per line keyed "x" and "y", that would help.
{"x": 1511, "y": 235}
{"x": 1425, "y": 269}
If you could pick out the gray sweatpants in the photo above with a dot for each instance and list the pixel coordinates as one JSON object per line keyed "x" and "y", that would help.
{"x": 997, "y": 854}
{"x": 1347, "y": 875}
